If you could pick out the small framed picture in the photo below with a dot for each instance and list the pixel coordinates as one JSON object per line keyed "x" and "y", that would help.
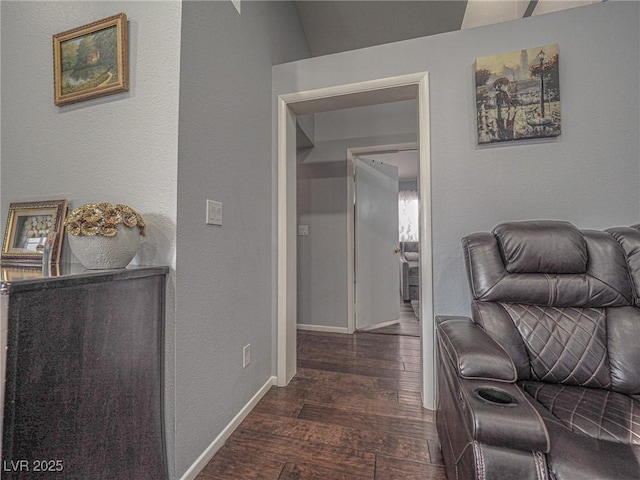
{"x": 91, "y": 61}
{"x": 32, "y": 227}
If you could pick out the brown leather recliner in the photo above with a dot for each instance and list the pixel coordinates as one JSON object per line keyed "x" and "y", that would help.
{"x": 544, "y": 381}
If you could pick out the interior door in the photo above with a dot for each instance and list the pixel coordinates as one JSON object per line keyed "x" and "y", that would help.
{"x": 376, "y": 238}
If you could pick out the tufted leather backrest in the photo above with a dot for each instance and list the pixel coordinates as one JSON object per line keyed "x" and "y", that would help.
{"x": 560, "y": 301}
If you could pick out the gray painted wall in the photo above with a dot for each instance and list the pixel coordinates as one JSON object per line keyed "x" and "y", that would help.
{"x": 121, "y": 148}
{"x": 375, "y": 120}
{"x": 589, "y": 176}
{"x": 224, "y": 274}
{"x": 408, "y": 185}
{"x": 322, "y": 255}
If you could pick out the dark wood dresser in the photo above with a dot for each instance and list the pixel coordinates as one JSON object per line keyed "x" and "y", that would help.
{"x": 83, "y": 374}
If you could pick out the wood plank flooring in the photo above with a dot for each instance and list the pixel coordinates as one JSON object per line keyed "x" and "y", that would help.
{"x": 352, "y": 412}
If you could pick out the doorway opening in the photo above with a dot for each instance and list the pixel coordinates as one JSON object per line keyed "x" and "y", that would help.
{"x": 387, "y": 249}
{"x": 387, "y": 90}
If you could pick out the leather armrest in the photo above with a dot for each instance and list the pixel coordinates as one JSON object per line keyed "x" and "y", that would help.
{"x": 517, "y": 426}
{"x": 491, "y": 411}
{"x": 473, "y": 353}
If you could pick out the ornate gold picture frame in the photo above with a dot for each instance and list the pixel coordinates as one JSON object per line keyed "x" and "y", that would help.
{"x": 29, "y": 225}
{"x": 91, "y": 61}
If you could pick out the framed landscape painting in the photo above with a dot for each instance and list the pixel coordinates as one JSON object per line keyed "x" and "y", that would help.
{"x": 91, "y": 61}
{"x": 518, "y": 95}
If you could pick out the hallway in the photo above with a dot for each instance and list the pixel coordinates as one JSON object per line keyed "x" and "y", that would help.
{"x": 352, "y": 412}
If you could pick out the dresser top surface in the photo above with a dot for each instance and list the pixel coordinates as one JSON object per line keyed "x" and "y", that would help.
{"x": 20, "y": 278}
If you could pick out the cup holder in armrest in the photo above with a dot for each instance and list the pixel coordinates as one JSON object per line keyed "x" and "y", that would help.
{"x": 496, "y": 396}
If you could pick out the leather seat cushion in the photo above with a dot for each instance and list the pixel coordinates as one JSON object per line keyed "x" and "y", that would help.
{"x": 596, "y": 413}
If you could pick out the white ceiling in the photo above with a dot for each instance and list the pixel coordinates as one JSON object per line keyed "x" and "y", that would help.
{"x": 333, "y": 26}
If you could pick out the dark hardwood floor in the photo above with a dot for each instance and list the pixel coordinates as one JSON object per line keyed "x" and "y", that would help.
{"x": 352, "y": 412}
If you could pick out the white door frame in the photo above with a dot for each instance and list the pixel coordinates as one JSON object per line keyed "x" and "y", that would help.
{"x": 385, "y": 90}
{"x": 352, "y": 153}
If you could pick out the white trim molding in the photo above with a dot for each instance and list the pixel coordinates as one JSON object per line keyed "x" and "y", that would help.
{"x": 427, "y": 319}
{"x": 379, "y": 325}
{"x": 322, "y": 328}
{"x": 193, "y": 471}
{"x": 372, "y": 92}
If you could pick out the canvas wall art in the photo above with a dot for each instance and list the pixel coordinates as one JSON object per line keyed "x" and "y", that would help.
{"x": 518, "y": 95}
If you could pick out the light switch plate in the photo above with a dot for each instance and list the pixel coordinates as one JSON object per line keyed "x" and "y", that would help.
{"x": 303, "y": 230}
{"x": 214, "y": 213}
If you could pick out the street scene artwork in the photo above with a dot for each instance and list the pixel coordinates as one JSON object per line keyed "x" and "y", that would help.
{"x": 518, "y": 95}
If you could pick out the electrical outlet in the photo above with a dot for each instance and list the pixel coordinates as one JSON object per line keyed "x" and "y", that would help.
{"x": 246, "y": 355}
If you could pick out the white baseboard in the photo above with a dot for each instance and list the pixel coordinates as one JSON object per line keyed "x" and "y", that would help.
{"x": 322, "y": 328}
{"x": 193, "y": 471}
{"x": 379, "y": 325}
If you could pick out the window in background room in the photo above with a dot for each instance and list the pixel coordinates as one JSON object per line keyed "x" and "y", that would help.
{"x": 408, "y": 215}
